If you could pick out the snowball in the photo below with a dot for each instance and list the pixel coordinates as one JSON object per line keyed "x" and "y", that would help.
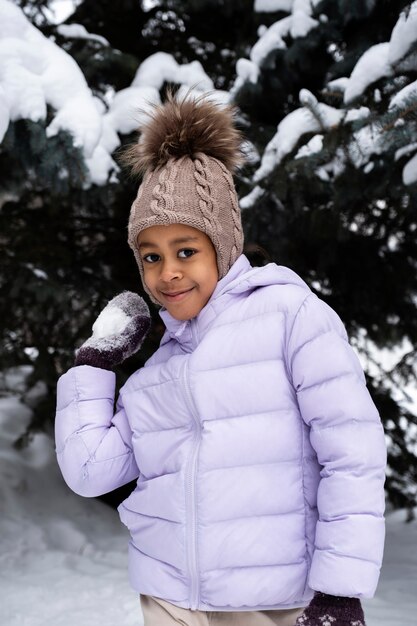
{"x": 111, "y": 321}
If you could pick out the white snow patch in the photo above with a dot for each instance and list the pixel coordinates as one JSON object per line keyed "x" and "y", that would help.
{"x": 405, "y": 150}
{"x": 66, "y": 555}
{"x": 404, "y": 35}
{"x": 302, "y": 22}
{"x": 322, "y": 173}
{"x": 78, "y": 31}
{"x": 357, "y": 114}
{"x": 273, "y": 39}
{"x": 298, "y": 24}
{"x": 35, "y": 72}
{"x": 296, "y": 124}
{"x": 250, "y": 152}
{"x": 311, "y": 147}
{"x": 271, "y": 6}
{"x": 35, "y": 394}
{"x": 130, "y": 107}
{"x": 252, "y": 198}
{"x": 161, "y": 67}
{"x": 405, "y": 94}
{"x": 338, "y": 85}
{"x": 365, "y": 142}
{"x": 380, "y": 363}
{"x": 219, "y": 96}
{"x": 410, "y": 171}
{"x": 37, "y": 272}
{"x": 371, "y": 66}
{"x": 148, "y": 5}
{"x": 58, "y": 11}
{"x": 247, "y": 70}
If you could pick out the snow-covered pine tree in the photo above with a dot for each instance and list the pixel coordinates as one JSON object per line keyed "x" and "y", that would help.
{"x": 338, "y": 183}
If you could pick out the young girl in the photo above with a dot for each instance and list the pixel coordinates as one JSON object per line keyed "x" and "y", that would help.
{"x": 258, "y": 452}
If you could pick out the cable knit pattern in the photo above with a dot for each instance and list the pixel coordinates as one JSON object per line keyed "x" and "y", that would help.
{"x": 237, "y": 222}
{"x": 209, "y": 209}
{"x": 135, "y": 206}
{"x": 163, "y": 192}
{"x": 204, "y": 181}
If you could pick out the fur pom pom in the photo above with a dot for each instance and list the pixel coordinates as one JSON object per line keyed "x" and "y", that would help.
{"x": 185, "y": 127}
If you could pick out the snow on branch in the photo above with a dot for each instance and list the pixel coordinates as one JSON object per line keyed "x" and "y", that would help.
{"x": 384, "y": 59}
{"x": 404, "y": 35}
{"x": 372, "y": 66}
{"x": 272, "y": 6}
{"x": 78, "y": 31}
{"x": 315, "y": 117}
{"x": 410, "y": 171}
{"x": 298, "y": 24}
{"x": 36, "y": 73}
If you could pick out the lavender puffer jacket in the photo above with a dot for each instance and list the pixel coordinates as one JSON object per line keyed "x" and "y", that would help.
{"x": 260, "y": 454}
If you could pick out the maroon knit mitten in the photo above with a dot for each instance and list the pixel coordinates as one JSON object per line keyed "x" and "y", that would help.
{"x": 325, "y": 610}
{"x": 118, "y": 332}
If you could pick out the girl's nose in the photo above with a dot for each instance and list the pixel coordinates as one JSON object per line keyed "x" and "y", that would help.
{"x": 170, "y": 270}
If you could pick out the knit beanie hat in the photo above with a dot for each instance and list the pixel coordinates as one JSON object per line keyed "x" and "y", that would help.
{"x": 187, "y": 152}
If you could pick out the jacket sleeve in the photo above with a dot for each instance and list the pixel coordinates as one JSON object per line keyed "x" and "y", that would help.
{"x": 346, "y": 433}
{"x": 93, "y": 443}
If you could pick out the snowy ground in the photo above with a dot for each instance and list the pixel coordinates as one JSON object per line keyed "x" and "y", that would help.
{"x": 63, "y": 558}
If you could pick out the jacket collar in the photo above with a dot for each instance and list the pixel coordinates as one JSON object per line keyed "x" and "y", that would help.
{"x": 188, "y": 332}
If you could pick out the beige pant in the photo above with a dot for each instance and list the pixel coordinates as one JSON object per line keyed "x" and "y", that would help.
{"x": 157, "y": 612}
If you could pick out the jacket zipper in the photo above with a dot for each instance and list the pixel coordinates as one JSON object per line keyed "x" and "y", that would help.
{"x": 192, "y": 547}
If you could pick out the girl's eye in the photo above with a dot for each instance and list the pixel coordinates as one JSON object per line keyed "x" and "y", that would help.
{"x": 186, "y": 251}
{"x": 148, "y": 258}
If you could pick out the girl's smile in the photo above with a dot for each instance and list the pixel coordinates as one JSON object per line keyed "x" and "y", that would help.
{"x": 180, "y": 267}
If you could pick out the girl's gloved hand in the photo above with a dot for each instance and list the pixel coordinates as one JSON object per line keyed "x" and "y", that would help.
{"x": 118, "y": 332}
{"x": 325, "y": 610}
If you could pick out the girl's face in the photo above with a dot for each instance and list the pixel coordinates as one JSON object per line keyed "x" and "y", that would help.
{"x": 180, "y": 268}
